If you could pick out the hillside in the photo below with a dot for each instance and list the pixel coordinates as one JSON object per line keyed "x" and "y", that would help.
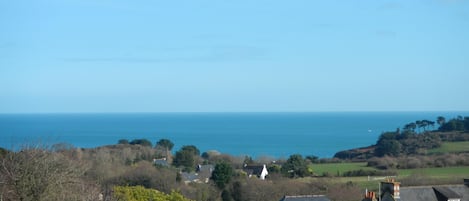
{"x": 416, "y": 138}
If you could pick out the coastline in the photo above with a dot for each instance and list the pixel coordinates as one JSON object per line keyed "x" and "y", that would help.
{"x": 259, "y": 134}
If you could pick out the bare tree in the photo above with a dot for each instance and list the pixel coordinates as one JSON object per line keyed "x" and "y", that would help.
{"x": 38, "y": 174}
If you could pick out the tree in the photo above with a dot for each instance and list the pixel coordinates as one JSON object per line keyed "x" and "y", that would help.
{"x": 388, "y": 147}
{"x": 440, "y": 120}
{"x": 313, "y": 158}
{"x": 222, "y": 174}
{"x": 163, "y": 149}
{"x": 187, "y": 157}
{"x": 123, "y": 141}
{"x": 248, "y": 160}
{"x": 166, "y": 144}
{"x": 40, "y": 174}
{"x": 410, "y": 127}
{"x": 419, "y": 124}
{"x": 295, "y": 166}
{"x": 3, "y": 152}
{"x": 143, "y": 142}
{"x": 139, "y": 193}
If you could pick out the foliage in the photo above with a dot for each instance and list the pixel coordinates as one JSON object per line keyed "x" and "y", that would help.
{"x": 41, "y": 174}
{"x": 3, "y": 152}
{"x": 165, "y": 143}
{"x": 362, "y": 172}
{"x": 146, "y": 175}
{"x": 186, "y": 157}
{"x": 388, "y": 147}
{"x": 143, "y": 142}
{"x": 123, "y": 141}
{"x": 140, "y": 193}
{"x": 456, "y": 124}
{"x": 222, "y": 174}
{"x": 226, "y": 195}
{"x": 295, "y": 166}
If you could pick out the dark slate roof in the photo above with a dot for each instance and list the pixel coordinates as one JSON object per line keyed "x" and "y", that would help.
{"x": 446, "y": 192}
{"x": 417, "y": 194}
{"x": 162, "y": 162}
{"x": 253, "y": 169}
{"x": 428, "y": 193}
{"x": 205, "y": 168}
{"x": 190, "y": 176}
{"x": 305, "y": 198}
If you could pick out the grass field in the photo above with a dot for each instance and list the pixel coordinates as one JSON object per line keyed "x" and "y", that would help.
{"x": 443, "y": 174}
{"x": 451, "y": 147}
{"x": 338, "y": 168}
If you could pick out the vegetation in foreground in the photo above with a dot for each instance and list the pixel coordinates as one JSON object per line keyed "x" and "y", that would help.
{"x": 127, "y": 171}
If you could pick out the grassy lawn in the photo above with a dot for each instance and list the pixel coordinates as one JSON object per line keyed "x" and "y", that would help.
{"x": 334, "y": 168}
{"x": 451, "y": 147}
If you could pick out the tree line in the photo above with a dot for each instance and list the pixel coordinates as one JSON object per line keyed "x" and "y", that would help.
{"x": 415, "y": 138}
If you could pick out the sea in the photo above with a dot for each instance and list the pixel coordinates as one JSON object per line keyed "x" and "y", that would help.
{"x": 275, "y": 135}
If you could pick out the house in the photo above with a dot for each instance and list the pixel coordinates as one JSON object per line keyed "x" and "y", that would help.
{"x": 305, "y": 198}
{"x": 391, "y": 190}
{"x": 202, "y": 174}
{"x": 435, "y": 193}
{"x": 259, "y": 171}
{"x": 161, "y": 162}
{"x": 205, "y": 172}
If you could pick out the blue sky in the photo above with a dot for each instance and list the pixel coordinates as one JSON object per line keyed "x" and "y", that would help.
{"x": 233, "y": 56}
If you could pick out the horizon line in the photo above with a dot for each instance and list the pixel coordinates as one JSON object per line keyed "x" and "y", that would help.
{"x": 220, "y": 112}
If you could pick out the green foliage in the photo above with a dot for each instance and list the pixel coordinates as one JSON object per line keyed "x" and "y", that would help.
{"x": 388, "y": 147}
{"x": 274, "y": 168}
{"x": 362, "y": 172}
{"x": 237, "y": 191}
{"x": 222, "y": 174}
{"x": 143, "y": 142}
{"x": 165, "y": 143}
{"x": 455, "y": 124}
{"x": 441, "y": 120}
{"x": 3, "y": 152}
{"x": 226, "y": 195}
{"x": 123, "y": 141}
{"x": 407, "y": 142}
{"x": 248, "y": 160}
{"x": 139, "y": 193}
{"x": 186, "y": 157}
{"x": 313, "y": 159}
{"x": 191, "y": 149}
{"x": 296, "y": 166}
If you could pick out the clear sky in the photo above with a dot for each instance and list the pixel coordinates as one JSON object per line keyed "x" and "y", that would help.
{"x": 233, "y": 56}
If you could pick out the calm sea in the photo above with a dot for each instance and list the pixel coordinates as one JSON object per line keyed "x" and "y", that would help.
{"x": 254, "y": 134}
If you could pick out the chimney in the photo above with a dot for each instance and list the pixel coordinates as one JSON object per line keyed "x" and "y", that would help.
{"x": 370, "y": 196}
{"x": 392, "y": 187}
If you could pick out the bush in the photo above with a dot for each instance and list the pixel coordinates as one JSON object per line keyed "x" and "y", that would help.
{"x": 361, "y": 172}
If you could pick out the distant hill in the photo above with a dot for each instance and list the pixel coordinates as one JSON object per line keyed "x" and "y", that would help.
{"x": 416, "y": 138}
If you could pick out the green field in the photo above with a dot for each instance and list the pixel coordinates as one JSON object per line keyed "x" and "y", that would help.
{"x": 451, "y": 147}
{"x": 443, "y": 174}
{"x": 334, "y": 168}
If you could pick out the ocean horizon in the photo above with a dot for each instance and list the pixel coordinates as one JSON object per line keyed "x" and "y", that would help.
{"x": 256, "y": 134}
